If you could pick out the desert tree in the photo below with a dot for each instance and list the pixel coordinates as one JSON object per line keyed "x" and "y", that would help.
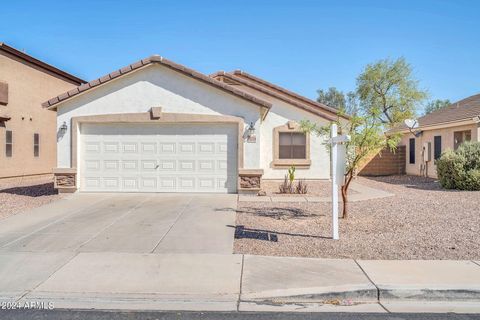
{"x": 337, "y": 99}
{"x": 435, "y": 105}
{"x": 367, "y": 137}
{"x": 388, "y": 90}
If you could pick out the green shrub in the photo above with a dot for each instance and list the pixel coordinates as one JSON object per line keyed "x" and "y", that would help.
{"x": 460, "y": 169}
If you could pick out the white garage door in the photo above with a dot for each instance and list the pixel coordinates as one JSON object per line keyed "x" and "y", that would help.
{"x": 158, "y": 158}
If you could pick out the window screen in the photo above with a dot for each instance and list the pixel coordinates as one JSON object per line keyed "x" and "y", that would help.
{"x": 437, "y": 147}
{"x": 411, "y": 151}
{"x": 292, "y": 145}
{"x": 36, "y": 144}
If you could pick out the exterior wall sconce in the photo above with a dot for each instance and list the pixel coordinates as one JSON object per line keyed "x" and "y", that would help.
{"x": 63, "y": 127}
{"x": 251, "y": 137}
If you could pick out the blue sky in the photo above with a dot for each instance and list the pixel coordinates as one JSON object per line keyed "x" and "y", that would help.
{"x": 301, "y": 45}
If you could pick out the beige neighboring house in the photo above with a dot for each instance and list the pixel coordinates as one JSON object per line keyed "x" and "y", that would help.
{"x": 438, "y": 131}
{"x": 28, "y": 132}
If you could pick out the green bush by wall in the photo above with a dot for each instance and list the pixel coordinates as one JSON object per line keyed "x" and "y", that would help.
{"x": 460, "y": 169}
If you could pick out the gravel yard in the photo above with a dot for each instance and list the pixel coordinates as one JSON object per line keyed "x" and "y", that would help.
{"x": 20, "y": 194}
{"x": 314, "y": 188}
{"x": 422, "y": 221}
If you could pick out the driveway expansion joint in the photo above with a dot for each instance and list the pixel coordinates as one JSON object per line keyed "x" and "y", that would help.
{"x": 173, "y": 224}
{"x": 45, "y": 280}
{"x": 369, "y": 279}
{"x": 241, "y": 281}
{"x": 114, "y": 221}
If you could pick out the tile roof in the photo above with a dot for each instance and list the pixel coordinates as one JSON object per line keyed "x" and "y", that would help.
{"x": 462, "y": 110}
{"x": 233, "y": 79}
{"x": 275, "y": 88}
{"x": 25, "y": 57}
{"x": 148, "y": 61}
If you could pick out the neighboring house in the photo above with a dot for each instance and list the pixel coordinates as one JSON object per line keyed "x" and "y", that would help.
{"x": 28, "y": 131}
{"x": 156, "y": 126}
{"x": 438, "y": 131}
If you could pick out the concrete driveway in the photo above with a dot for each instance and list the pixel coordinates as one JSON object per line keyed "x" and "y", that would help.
{"x": 166, "y": 241}
{"x": 133, "y": 223}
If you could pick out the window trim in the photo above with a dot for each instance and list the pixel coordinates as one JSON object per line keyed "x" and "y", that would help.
{"x": 289, "y": 127}
{"x": 411, "y": 151}
{"x": 7, "y": 153}
{"x": 36, "y": 146}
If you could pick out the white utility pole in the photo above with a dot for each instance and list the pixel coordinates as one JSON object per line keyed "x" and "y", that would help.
{"x": 338, "y": 172}
{"x": 333, "y": 134}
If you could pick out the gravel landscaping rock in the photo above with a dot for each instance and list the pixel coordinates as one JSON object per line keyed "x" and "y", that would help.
{"x": 315, "y": 188}
{"x": 422, "y": 221}
{"x": 20, "y": 194}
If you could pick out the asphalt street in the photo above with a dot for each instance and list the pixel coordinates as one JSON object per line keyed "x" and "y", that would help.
{"x": 181, "y": 315}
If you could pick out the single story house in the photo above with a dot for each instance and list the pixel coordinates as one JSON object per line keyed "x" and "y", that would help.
{"x": 157, "y": 126}
{"x": 438, "y": 131}
{"x": 28, "y": 131}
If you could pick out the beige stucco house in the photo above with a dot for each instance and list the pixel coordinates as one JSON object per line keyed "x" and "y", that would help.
{"x": 27, "y": 131}
{"x": 438, "y": 131}
{"x": 157, "y": 126}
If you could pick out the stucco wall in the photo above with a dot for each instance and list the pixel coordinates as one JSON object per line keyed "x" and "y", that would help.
{"x": 428, "y": 136}
{"x": 28, "y": 87}
{"x": 279, "y": 115}
{"x": 157, "y": 86}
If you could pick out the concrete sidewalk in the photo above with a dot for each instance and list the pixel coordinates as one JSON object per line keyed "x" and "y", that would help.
{"x": 362, "y": 193}
{"x": 215, "y": 282}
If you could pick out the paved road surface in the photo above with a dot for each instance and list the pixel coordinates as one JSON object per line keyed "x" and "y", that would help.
{"x": 172, "y": 315}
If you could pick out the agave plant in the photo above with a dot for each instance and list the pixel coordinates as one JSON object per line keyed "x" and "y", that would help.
{"x": 291, "y": 174}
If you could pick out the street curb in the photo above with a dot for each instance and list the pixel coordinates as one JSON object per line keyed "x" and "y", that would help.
{"x": 447, "y": 295}
{"x": 363, "y": 294}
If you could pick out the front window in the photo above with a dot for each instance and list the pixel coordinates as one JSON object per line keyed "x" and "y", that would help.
{"x": 460, "y": 137}
{"x": 36, "y": 144}
{"x": 292, "y": 145}
{"x": 411, "y": 151}
{"x": 437, "y": 147}
{"x": 8, "y": 143}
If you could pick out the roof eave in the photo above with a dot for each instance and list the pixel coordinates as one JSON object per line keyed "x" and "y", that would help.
{"x": 40, "y": 63}
{"x": 56, "y": 101}
{"x": 440, "y": 125}
{"x": 288, "y": 92}
{"x": 268, "y": 92}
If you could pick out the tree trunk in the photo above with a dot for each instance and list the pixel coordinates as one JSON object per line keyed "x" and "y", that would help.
{"x": 344, "y": 190}
{"x": 345, "y": 202}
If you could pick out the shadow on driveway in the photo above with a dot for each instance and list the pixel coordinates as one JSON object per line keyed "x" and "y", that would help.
{"x": 38, "y": 190}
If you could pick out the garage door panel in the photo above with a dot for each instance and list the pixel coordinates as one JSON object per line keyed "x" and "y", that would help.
{"x": 168, "y": 165}
{"x": 112, "y": 183}
{"x": 186, "y": 147}
{"x": 148, "y": 165}
{"x": 130, "y": 183}
{"x": 186, "y": 183}
{"x": 149, "y": 183}
{"x": 158, "y": 158}
{"x": 111, "y": 147}
{"x": 149, "y": 147}
{"x": 111, "y": 165}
